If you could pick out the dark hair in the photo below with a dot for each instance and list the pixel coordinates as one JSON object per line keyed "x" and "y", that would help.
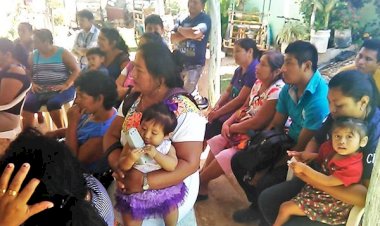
{"x": 355, "y": 84}
{"x": 85, "y": 14}
{"x": 44, "y": 35}
{"x": 373, "y": 44}
{"x": 248, "y": 43}
{"x": 152, "y": 37}
{"x": 154, "y": 19}
{"x": 95, "y": 83}
{"x": 95, "y": 51}
{"x": 27, "y": 25}
{"x": 303, "y": 51}
{"x": 275, "y": 59}
{"x": 6, "y": 45}
{"x": 354, "y": 124}
{"x": 161, "y": 114}
{"x": 114, "y": 36}
{"x": 204, "y": 1}
{"x": 18, "y": 52}
{"x": 161, "y": 63}
{"x": 61, "y": 177}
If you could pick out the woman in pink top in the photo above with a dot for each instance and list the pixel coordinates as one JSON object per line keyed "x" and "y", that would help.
{"x": 255, "y": 114}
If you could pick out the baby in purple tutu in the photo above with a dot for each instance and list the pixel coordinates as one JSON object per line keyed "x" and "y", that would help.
{"x": 157, "y": 122}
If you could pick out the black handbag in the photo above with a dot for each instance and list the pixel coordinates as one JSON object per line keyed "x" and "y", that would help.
{"x": 264, "y": 150}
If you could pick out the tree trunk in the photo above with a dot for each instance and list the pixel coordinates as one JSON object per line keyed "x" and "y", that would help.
{"x": 215, "y": 51}
{"x": 372, "y": 207}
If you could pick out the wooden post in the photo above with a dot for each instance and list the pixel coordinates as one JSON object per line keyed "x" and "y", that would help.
{"x": 372, "y": 206}
{"x": 215, "y": 52}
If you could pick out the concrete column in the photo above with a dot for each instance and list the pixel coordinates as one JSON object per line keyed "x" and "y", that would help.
{"x": 215, "y": 52}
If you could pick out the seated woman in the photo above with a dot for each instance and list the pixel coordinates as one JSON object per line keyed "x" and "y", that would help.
{"x": 13, "y": 81}
{"x": 259, "y": 108}
{"x": 124, "y": 82}
{"x": 54, "y": 70}
{"x": 156, "y": 76}
{"x": 74, "y": 199}
{"x": 113, "y": 45}
{"x": 247, "y": 56}
{"x": 89, "y": 119}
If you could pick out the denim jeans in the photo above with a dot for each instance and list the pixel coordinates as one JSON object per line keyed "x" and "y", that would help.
{"x": 272, "y": 177}
{"x": 191, "y": 75}
{"x": 33, "y": 101}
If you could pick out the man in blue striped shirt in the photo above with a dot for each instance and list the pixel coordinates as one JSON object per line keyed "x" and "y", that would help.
{"x": 87, "y": 38}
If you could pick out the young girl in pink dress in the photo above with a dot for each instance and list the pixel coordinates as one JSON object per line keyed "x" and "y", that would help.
{"x": 341, "y": 164}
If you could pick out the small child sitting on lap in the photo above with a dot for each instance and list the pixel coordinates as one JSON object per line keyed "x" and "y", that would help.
{"x": 157, "y": 122}
{"x": 95, "y": 59}
{"x": 341, "y": 164}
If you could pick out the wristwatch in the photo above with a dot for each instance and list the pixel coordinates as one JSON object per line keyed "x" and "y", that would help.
{"x": 145, "y": 182}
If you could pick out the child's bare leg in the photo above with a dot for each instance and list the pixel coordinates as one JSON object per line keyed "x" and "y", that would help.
{"x": 171, "y": 218}
{"x": 287, "y": 209}
{"x": 129, "y": 221}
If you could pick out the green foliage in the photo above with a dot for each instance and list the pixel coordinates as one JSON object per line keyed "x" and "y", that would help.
{"x": 58, "y": 19}
{"x": 324, "y": 9}
{"x": 291, "y": 32}
{"x": 174, "y": 7}
{"x": 336, "y": 14}
{"x": 224, "y": 6}
{"x": 55, "y": 4}
{"x": 344, "y": 16}
{"x": 306, "y": 9}
{"x": 360, "y": 31}
{"x": 358, "y": 3}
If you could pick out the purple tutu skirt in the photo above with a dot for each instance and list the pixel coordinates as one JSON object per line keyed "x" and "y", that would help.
{"x": 151, "y": 203}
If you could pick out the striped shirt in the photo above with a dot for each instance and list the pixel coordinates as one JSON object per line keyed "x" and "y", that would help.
{"x": 48, "y": 71}
{"x": 100, "y": 199}
{"x": 86, "y": 40}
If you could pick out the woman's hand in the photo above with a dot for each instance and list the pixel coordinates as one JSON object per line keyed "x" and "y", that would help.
{"x": 234, "y": 129}
{"x": 74, "y": 114}
{"x": 129, "y": 182}
{"x": 296, "y": 154}
{"x": 52, "y": 134}
{"x": 302, "y": 156}
{"x": 36, "y": 88}
{"x": 212, "y": 115}
{"x": 226, "y": 130}
{"x": 14, "y": 209}
{"x": 60, "y": 88}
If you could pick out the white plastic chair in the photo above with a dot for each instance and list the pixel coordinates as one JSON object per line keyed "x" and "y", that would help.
{"x": 356, "y": 212}
{"x": 12, "y": 134}
{"x": 49, "y": 122}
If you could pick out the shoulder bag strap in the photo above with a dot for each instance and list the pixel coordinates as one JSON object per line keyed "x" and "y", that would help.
{"x": 128, "y": 101}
